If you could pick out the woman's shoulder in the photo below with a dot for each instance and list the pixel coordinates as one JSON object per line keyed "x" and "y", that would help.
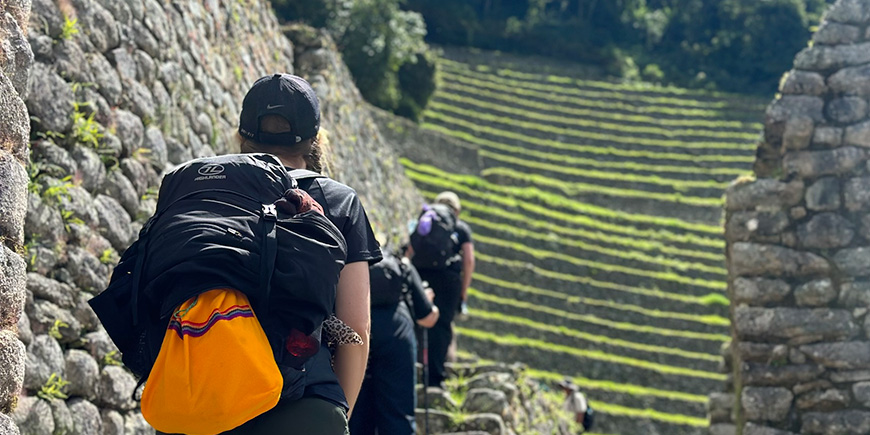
{"x": 332, "y": 187}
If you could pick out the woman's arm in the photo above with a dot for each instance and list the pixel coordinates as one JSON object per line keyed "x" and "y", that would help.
{"x": 352, "y": 307}
{"x": 467, "y": 267}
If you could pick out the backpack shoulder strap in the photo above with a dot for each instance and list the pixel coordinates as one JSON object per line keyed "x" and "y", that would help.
{"x": 301, "y": 174}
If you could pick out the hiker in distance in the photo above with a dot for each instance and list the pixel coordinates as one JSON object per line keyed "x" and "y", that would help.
{"x": 443, "y": 253}
{"x": 281, "y": 116}
{"x": 387, "y": 399}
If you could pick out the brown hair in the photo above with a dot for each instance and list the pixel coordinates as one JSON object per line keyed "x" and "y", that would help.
{"x": 308, "y": 149}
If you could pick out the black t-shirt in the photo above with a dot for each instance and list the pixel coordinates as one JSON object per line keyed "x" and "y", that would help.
{"x": 342, "y": 207}
{"x": 463, "y": 235}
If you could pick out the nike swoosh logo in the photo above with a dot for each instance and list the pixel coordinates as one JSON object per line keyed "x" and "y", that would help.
{"x": 270, "y": 107}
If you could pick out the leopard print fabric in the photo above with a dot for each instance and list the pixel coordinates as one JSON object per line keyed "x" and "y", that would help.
{"x": 338, "y": 333}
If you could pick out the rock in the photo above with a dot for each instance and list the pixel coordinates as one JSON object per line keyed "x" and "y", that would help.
{"x": 44, "y": 358}
{"x": 793, "y": 323}
{"x": 7, "y": 425}
{"x": 113, "y": 422}
{"x": 439, "y": 421}
{"x": 130, "y": 131}
{"x": 752, "y": 259}
{"x": 857, "y": 135}
{"x": 86, "y": 416}
{"x": 839, "y": 422}
{"x": 87, "y": 271}
{"x": 744, "y": 226}
{"x": 849, "y": 12}
{"x": 846, "y": 110}
{"x": 114, "y": 221}
{"x": 489, "y": 423}
{"x": 13, "y": 357}
{"x": 795, "y": 106}
{"x": 831, "y": 33}
{"x": 853, "y": 261}
{"x": 437, "y": 399}
{"x": 761, "y": 404}
{"x": 759, "y": 291}
{"x": 861, "y": 391}
{"x": 850, "y": 376}
{"x": 82, "y": 372}
{"x": 815, "y": 293}
{"x": 754, "y": 429}
{"x": 47, "y": 317}
{"x": 13, "y": 198}
{"x": 63, "y": 419}
{"x": 116, "y": 388}
{"x": 817, "y": 385}
{"x": 826, "y": 231}
{"x": 847, "y": 355}
{"x": 50, "y": 99}
{"x": 99, "y": 344}
{"x": 135, "y": 173}
{"x": 814, "y": 164}
{"x": 830, "y": 137}
{"x": 826, "y": 400}
{"x": 25, "y": 333}
{"x": 771, "y": 375}
{"x": 177, "y": 152}
{"x": 12, "y": 276}
{"x": 503, "y": 382}
{"x": 824, "y": 195}
{"x": 54, "y": 160}
{"x": 91, "y": 170}
{"x": 33, "y": 417}
{"x": 486, "y": 400}
{"x": 804, "y": 83}
{"x": 856, "y": 192}
{"x": 798, "y": 133}
{"x": 122, "y": 190}
{"x": 723, "y": 429}
{"x": 135, "y": 424}
{"x": 764, "y": 193}
{"x": 157, "y": 146}
{"x": 851, "y": 81}
{"x": 826, "y": 58}
{"x": 719, "y": 407}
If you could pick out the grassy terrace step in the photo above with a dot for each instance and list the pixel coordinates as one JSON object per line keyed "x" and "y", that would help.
{"x": 625, "y": 400}
{"x": 445, "y": 99}
{"x": 521, "y": 271}
{"x": 667, "y": 280}
{"x": 575, "y": 189}
{"x": 684, "y": 171}
{"x": 608, "y": 176}
{"x": 474, "y": 210}
{"x": 608, "y": 99}
{"x": 640, "y": 333}
{"x": 610, "y": 227}
{"x": 527, "y": 328}
{"x": 606, "y": 149}
{"x": 436, "y": 177}
{"x": 597, "y": 364}
{"x": 624, "y": 138}
{"x": 542, "y": 104}
{"x": 577, "y": 248}
{"x": 622, "y": 311}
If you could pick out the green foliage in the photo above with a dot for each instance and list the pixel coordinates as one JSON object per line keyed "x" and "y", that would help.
{"x": 54, "y": 330}
{"x": 53, "y": 388}
{"x": 382, "y": 45}
{"x": 108, "y": 256}
{"x": 58, "y": 191}
{"x": 70, "y": 28}
{"x": 85, "y": 130}
{"x": 112, "y": 358}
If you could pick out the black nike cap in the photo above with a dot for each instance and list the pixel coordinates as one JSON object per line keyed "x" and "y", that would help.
{"x": 285, "y": 95}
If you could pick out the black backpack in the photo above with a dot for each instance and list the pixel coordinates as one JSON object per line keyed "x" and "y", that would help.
{"x": 434, "y": 240}
{"x": 221, "y": 222}
{"x": 387, "y": 281}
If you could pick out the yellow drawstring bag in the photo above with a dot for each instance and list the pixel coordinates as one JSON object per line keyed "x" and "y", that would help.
{"x": 215, "y": 369}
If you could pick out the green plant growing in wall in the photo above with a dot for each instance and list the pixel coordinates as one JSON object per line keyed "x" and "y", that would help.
{"x": 85, "y": 129}
{"x": 108, "y": 256}
{"x": 70, "y": 28}
{"x": 54, "y": 194}
{"x": 54, "y": 331}
{"x": 53, "y": 388}
{"x": 112, "y": 358}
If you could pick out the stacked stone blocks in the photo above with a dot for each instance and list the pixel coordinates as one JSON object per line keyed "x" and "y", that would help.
{"x": 799, "y": 249}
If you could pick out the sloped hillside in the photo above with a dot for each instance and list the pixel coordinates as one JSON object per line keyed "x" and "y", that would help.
{"x": 596, "y": 209}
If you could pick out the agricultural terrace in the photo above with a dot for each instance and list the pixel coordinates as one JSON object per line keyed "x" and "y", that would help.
{"x": 597, "y": 226}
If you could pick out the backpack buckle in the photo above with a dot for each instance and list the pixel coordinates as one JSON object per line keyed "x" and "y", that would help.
{"x": 270, "y": 212}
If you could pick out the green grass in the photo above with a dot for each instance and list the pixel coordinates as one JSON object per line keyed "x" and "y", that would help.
{"x": 614, "y": 268}
{"x": 580, "y": 97}
{"x": 710, "y": 299}
{"x": 608, "y": 176}
{"x": 528, "y": 343}
{"x": 512, "y": 321}
{"x": 573, "y": 189}
{"x": 651, "y": 414}
{"x": 564, "y": 298}
{"x": 502, "y": 94}
{"x": 436, "y": 110}
{"x": 473, "y": 210}
{"x": 616, "y": 387}
{"x": 594, "y": 320}
{"x": 622, "y": 129}
{"x": 609, "y": 150}
{"x": 436, "y": 177}
{"x": 669, "y": 263}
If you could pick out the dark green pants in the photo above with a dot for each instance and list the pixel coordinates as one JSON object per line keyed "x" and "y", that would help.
{"x": 307, "y": 416}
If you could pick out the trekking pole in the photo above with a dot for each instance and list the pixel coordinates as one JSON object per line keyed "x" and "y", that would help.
{"x": 426, "y": 380}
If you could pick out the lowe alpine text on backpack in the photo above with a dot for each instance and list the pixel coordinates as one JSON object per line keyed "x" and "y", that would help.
{"x": 435, "y": 241}
{"x": 221, "y": 223}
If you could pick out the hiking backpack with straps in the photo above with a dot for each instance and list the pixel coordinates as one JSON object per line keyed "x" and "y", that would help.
{"x": 220, "y": 224}
{"x": 387, "y": 280}
{"x": 434, "y": 240}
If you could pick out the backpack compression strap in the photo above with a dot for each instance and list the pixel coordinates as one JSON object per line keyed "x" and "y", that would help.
{"x": 269, "y": 250}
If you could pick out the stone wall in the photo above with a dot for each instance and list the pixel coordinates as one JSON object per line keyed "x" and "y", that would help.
{"x": 798, "y": 248}
{"x": 121, "y": 91}
{"x": 16, "y": 60}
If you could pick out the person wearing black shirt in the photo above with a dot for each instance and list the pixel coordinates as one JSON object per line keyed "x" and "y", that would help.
{"x": 387, "y": 398}
{"x": 281, "y": 116}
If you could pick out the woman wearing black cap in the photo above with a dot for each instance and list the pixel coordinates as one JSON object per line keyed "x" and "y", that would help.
{"x": 281, "y": 116}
